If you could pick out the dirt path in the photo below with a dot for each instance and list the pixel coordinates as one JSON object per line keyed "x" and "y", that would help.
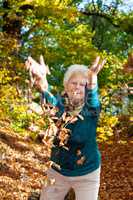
{"x": 117, "y": 171}
{"x": 22, "y": 169}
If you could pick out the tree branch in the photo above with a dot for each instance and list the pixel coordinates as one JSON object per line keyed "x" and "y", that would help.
{"x": 102, "y": 15}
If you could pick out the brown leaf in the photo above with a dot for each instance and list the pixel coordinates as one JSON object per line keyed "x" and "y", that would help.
{"x": 78, "y": 153}
{"x": 81, "y": 160}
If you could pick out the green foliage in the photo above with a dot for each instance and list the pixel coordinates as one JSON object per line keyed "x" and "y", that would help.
{"x": 65, "y": 35}
{"x": 15, "y": 109}
{"x": 112, "y": 27}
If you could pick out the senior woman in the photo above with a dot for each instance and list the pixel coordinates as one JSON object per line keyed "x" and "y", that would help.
{"x": 80, "y": 163}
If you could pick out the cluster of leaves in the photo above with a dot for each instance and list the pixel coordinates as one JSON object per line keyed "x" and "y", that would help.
{"x": 22, "y": 168}
{"x": 15, "y": 109}
{"x": 106, "y": 127}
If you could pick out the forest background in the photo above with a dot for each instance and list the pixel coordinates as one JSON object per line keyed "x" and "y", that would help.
{"x": 64, "y": 32}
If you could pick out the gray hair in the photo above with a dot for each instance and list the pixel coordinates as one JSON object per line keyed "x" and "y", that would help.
{"x": 73, "y": 69}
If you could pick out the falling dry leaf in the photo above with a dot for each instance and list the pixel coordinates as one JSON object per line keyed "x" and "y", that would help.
{"x": 81, "y": 160}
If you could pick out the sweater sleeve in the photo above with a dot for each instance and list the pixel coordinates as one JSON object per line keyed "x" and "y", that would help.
{"x": 91, "y": 97}
{"x": 49, "y": 97}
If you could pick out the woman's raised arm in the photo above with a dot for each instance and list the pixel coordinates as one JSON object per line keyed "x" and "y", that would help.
{"x": 95, "y": 68}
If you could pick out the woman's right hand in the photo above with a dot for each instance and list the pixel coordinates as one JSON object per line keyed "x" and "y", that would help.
{"x": 38, "y": 72}
{"x": 41, "y": 84}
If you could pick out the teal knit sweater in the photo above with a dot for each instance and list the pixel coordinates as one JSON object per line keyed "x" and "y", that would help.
{"x": 82, "y": 155}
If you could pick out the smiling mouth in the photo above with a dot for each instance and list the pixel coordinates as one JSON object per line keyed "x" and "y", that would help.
{"x": 76, "y": 92}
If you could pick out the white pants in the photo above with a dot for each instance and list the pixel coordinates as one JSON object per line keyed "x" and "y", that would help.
{"x": 86, "y": 187}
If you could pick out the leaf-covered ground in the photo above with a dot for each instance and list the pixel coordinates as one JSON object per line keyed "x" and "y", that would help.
{"x": 22, "y": 168}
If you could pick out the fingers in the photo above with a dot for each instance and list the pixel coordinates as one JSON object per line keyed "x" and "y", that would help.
{"x": 27, "y": 65}
{"x": 47, "y": 70}
{"x": 33, "y": 66}
{"x": 32, "y": 61}
{"x": 95, "y": 63}
{"x": 44, "y": 65}
{"x": 29, "y": 62}
{"x": 100, "y": 66}
{"x": 42, "y": 60}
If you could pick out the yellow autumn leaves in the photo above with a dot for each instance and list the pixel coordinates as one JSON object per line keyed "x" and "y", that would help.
{"x": 106, "y": 126}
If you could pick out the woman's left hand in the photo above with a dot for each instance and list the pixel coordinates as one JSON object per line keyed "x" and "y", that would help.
{"x": 95, "y": 68}
{"x": 97, "y": 65}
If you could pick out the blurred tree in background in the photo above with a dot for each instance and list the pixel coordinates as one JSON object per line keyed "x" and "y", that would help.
{"x": 65, "y": 32}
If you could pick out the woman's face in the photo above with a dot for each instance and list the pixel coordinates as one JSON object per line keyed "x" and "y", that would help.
{"x": 75, "y": 88}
